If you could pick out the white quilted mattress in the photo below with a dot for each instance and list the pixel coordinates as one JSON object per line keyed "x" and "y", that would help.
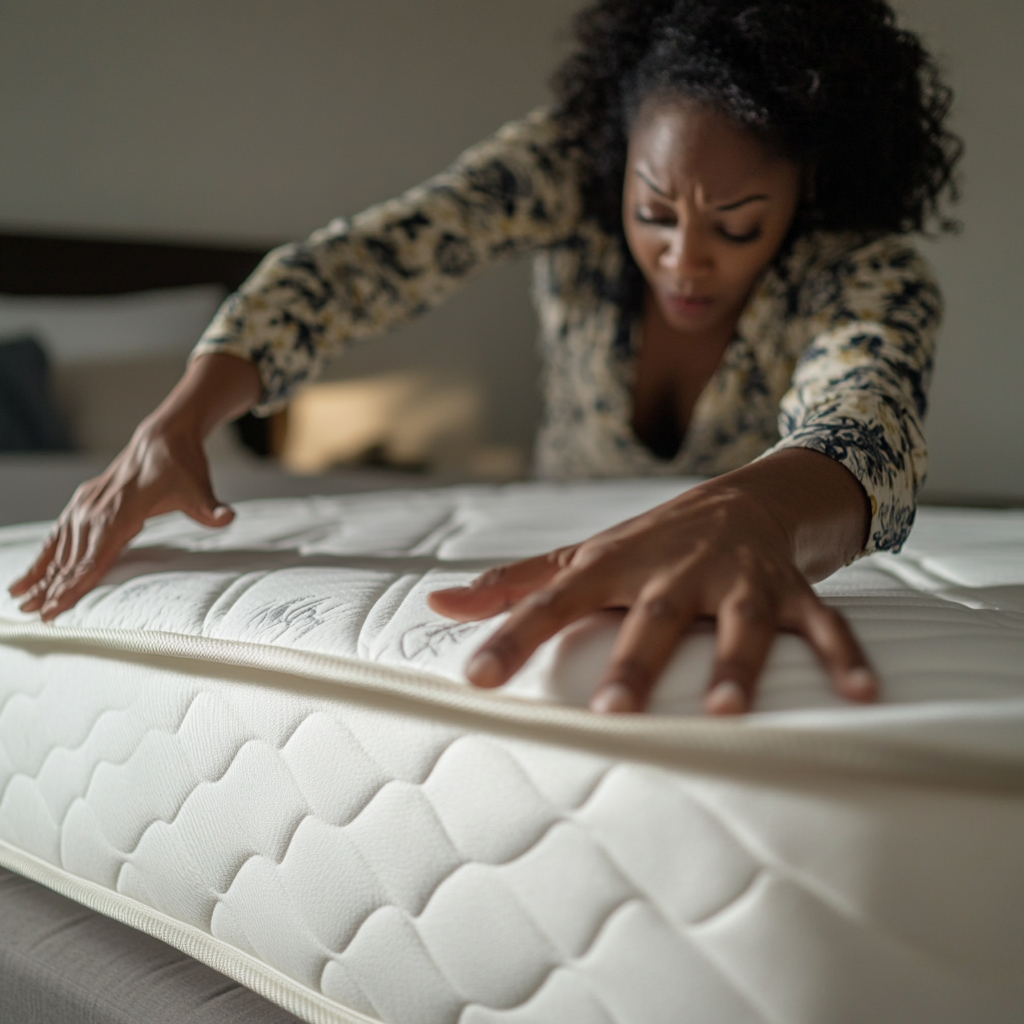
{"x": 256, "y": 745}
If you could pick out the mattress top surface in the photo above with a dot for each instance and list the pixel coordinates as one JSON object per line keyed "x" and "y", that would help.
{"x": 344, "y": 580}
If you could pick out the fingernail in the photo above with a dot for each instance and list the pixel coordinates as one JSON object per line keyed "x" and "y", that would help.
{"x": 484, "y": 669}
{"x": 615, "y": 699}
{"x": 860, "y": 684}
{"x": 727, "y": 698}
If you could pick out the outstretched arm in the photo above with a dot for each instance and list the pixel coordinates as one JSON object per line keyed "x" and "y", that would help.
{"x": 162, "y": 469}
{"x": 509, "y": 195}
{"x": 743, "y": 548}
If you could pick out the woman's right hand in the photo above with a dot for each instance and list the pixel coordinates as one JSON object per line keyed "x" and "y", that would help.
{"x": 159, "y": 471}
{"x": 162, "y": 469}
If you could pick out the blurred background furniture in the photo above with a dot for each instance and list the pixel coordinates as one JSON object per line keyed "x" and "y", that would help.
{"x": 118, "y": 319}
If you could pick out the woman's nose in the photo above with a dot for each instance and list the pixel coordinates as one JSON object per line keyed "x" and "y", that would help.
{"x": 687, "y": 254}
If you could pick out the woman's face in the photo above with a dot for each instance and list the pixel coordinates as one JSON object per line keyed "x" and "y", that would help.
{"x": 705, "y": 208}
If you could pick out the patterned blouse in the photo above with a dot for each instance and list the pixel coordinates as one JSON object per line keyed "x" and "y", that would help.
{"x": 833, "y": 351}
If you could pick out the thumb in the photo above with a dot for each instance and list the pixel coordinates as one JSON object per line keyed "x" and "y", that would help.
{"x": 208, "y": 511}
{"x": 498, "y": 589}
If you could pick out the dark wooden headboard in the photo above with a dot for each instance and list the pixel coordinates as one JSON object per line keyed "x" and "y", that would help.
{"x": 32, "y": 264}
{"x": 41, "y": 264}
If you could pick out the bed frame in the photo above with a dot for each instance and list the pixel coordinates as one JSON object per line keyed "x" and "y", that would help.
{"x": 37, "y": 264}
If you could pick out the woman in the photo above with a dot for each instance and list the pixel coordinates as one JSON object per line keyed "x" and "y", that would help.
{"x": 714, "y": 204}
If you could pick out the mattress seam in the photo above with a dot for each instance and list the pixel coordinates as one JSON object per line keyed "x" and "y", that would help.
{"x": 697, "y": 743}
{"x": 278, "y": 988}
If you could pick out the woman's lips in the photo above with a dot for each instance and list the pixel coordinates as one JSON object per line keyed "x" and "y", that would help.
{"x": 687, "y": 305}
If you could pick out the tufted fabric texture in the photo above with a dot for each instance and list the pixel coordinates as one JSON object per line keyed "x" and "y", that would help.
{"x": 254, "y": 745}
{"x": 63, "y": 964}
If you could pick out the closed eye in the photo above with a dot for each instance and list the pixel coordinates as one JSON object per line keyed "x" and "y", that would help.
{"x": 744, "y": 239}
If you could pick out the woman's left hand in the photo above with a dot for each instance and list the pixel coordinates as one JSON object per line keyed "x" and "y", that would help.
{"x": 716, "y": 550}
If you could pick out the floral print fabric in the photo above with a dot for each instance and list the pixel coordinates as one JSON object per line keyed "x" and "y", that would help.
{"x": 833, "y": 352}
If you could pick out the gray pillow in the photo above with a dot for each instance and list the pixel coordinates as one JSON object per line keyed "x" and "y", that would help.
{"x": 29, "y": 421}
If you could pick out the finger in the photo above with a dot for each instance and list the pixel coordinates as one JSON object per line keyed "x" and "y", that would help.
{"x": 647, "y": 639}
{"x": 536, "y": 618}
{"x": 86, "y": 575}
{"x": 746, "y": 631}
{"x": 71, "y": 551}
{"x": 205, "y": 509}
{"x": 81, "y": 577}
{"x": 92, "y": 554}
{"x": 56, "y": 548}
{"x": 38, "y": 569}
{"x": 38, "y": 595}
{"x": 216, "y": 516}
{"x": 500, "y": 588}
{"x": 840, "y": 654}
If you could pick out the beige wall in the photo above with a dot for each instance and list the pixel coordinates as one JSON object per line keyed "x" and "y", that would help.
{"x": 976, "y": 428}
{"x": 254, "y": 120}
{"x": 260, "y": 120}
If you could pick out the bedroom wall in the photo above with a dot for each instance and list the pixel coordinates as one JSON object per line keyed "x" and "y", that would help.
{"x": 254, "y": 121}
{"x": 976, "y": 428}
{"x": 259, "y": 121}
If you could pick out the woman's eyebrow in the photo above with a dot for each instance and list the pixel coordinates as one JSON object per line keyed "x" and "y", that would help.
{"x": 726, "y": 208}
{"x": 643, "y": 177}
{"x": 742, "y": 202}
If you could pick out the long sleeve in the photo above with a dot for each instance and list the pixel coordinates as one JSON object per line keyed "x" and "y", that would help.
{"x": 859, "y": 390}
{"x": 509, "y": 195}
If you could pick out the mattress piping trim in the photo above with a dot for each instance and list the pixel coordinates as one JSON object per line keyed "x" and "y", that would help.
{"x": 700, "y": 744}
{"x": 247, "y": 970}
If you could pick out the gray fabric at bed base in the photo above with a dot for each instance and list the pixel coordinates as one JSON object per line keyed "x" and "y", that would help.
{"x": 61, "y": 963}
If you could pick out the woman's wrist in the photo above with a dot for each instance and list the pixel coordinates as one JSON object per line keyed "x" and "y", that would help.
{"x": 817, "y": 503}
{"x": 213, "y": 390}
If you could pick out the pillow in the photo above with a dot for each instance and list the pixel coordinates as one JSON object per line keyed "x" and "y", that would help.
{"x": 84, "y": 329}
{"x": 29, "y": 421}
{"x": 114, "y": 357}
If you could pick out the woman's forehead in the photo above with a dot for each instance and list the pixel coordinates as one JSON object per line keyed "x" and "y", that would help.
{"x": 681, "y": 144}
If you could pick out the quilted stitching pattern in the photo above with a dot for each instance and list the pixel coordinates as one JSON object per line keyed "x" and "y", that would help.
{"x": 414, "y": 870}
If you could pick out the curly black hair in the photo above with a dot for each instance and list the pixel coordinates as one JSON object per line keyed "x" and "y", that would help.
{"x": 834, "y": 85}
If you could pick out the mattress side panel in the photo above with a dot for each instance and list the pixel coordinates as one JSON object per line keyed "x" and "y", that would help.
{"x": 409, "y": 868}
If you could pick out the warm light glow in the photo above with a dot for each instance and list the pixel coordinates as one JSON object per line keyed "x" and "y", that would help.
{"x": 407, "y": 419}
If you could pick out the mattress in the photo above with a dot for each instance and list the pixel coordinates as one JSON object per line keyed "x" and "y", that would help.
{"x": 256, "y": 745}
